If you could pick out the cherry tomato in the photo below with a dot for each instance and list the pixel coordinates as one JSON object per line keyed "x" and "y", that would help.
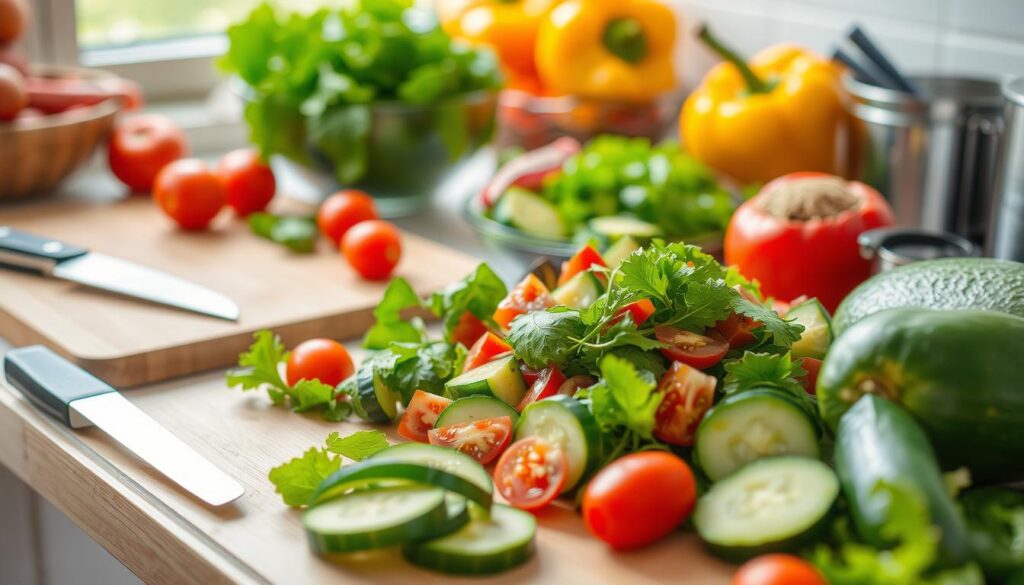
{"x": 143, "y": 145}
{"x": 699, "y": 351}
{"x": 531, "y": 473}
{"x": 373, "y": 248}
{"x": 325, "y": 360}
{"x": 810, "y": 381}
{"x": 638, "y": 499}
{"x": 547, "y": 384}
{"x": 420, "y": 415}
{"x": 570, "y": 386}
{"x": 341, "y": 211}
{"x": 483, "y": 439}
{"x": 688, "y": 393}
{"x": 488, "y": 347}
{"x": 189, "y": 192}
{"x": 586, "y": 257}
{"x": 468, "y": 329}
{"x": 778, "y": 569}
{"x": 737, "y": 330}
{"x": 14, "y": 16}
{"x": 529, "y": 295}
{"x": 248, "y": 181}
{"x": 640, "y": 311}
{"x": 13, "y": 98}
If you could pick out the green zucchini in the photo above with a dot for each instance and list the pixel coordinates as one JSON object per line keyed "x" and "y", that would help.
{"x": 374, "y": 401}
{"x": 475, "y": 407}
{"x": 500, "y": 378}
{"x": 817, "y": 334}
{"x": 878, "y": 442}
{"x": 487, "y": 545}
{"x": 565, "y": 422}
{"x": 957, "y": 372}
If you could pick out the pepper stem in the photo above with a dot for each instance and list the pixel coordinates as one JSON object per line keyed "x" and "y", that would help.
{"x": 754, "y": 83}
{"x": 625, "y": 38}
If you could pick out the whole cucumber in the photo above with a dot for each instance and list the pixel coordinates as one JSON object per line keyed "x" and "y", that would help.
{"x": 960, "y": 373}
{"x": 877, "y": 441}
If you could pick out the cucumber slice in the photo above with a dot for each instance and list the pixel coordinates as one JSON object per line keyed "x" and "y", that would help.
{"x": 619, "y": 251}
{"x": 376, "y": 518}
{"x": 614, "y": 227}
{"x": 439, "y": 458}
{"x": 457, "y": 510}
{"x": 485, "y": 546}
{"x": 373, "y": 471}
{"x": 500, "y": 378}
{"x": 772, "y": 505}
{"x": 753, "y": 425}
{"x": 475, "y": 407}
{"x": 376, "y": 401}
{"x": 817, "y": 335}
{"x": 565, "y": 422}
{"x": 580, "y": 292}
{"x": 530, "y": 213}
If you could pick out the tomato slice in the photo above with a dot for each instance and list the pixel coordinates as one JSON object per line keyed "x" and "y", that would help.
{"x": 530, "y": 375}
{"x": 810, "y": 381}
{"x": 570, "y": 386}
{"x": 586, "y": 257}
{"x": 468, "y": 330}
{"x": 640, "y": 311}
{"x": 529, "y": 295}
{"x": 482, "y": 439}
{"x": 699, "y": 351}
{"x": 488, "y": 347}
{"x": 420, "y": 415}
{"x": 737, "y": 330}
{"x": 547, "y": 384}
{"x": 531, "y": 473}
{"x": 688, "y": 394}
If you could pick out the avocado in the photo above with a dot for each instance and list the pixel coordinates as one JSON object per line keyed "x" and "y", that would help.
{"x": 948, "y": 283}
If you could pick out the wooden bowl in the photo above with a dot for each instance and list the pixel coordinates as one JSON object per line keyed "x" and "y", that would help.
{"x": 38, "y": 153}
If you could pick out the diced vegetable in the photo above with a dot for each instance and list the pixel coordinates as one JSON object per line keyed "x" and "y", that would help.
{"x": 485, "y": 546}
{"x": 499, "y": 378}
{"x": 817, "y": 335}
{"x": 619, "y": 251}
{"x": 580, "y": 291}
{"x": 529, "y": 295}
{"x": 639, "y": 311}
{"x": 694, "y": 349}
{"x": 687, "y": 394}
{"x": 584, "y": 259}
{"x": 475, "y": 407}
{"x": 567, "y": 424}
{"x": 485, "y": 349}
{"x": 482, "y": 439}
{"x": 546, "y": 384}
{"x": 530, "y": 213}
{"x": 421, "y": 414}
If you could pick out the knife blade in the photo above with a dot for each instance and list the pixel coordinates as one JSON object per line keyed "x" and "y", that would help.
{"x": 78, "y": 399}
{"x": 57, "y": 259}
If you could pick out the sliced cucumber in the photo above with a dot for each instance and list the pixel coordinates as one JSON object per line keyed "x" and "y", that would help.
{"x": 440, "y": 458}
{"x": 530, "y": 213}
{"x": 619, "y": 251}
{"x": 485, "y": 546}
{"x": 615, "y": 227}
{"x": 376, "y": 518}
{"x": 500, "y": 378}
{"x": 565, "y": 422}
{"x": 457, "y": 509}
{"x": 580, "y": 292}
{"x": 475, "y": 407}
{"x": 373, "y": 471}
{"x": 817, "y": 335}
{"x": 772, "y": 505}
{"x": 375, "y": 400}
{"x": 753, "y": 425}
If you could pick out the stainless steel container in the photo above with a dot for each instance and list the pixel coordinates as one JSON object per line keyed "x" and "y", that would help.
{"x": 1008, "y": 218}
{"x": 934, "y": 157}
{"x": 889, "y": 248}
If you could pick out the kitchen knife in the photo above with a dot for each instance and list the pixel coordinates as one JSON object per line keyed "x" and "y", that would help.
{"x": 78, "y": 399}
{"x": 49, "y": 257}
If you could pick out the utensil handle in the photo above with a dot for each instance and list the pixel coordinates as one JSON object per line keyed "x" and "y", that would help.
{"x": 51, "y": 382}
{"x": 24, "y": 250}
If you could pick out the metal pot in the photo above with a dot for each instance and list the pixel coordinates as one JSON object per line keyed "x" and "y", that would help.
{"x": 1008, "y": 217}
{"x": 891, "y": 248}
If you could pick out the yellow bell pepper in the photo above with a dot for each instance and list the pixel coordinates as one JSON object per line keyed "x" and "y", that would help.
{"x": 608, "y": 49}
{"x": 780, "y": 114}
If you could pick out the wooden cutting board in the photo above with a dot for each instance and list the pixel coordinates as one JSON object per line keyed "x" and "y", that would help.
{"x": 128, "y": 342}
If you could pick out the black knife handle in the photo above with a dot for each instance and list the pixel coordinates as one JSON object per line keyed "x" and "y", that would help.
{"x": 25, "y": 250}
{"x": 49, "y": 381}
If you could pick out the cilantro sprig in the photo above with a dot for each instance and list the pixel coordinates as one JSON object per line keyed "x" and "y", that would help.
{"x": 298, "y": 478}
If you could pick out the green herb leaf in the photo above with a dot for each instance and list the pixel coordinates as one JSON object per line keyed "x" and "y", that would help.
{"x": 297, "y": 479}
{"x": 705, "y": 303}
{"x": 479, "y": 293}
{"x": 625, "y": 397}
{"x": 259, "y": 365}
{"x": 757, "y": 370}
{"x": 777, "y": 330}
{"x": 309, "y": 394}
{"x": 390, "y": 327}
{"x": 542, "y": 337}
{"x": 357, "y": 446}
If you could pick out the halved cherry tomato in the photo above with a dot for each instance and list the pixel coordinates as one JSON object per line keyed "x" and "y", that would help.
{"x": 483, "y": 439}
{"x": 699, "y": 351}
{"x": 373, "y": 248}
{"x": 421, "y": 414}
{"x": 547, "y": 384}
{"x": 688, "y": 393}
{"x": 778, "y": 569}
{"x": 325, "y": 360}
{"x": 529, "y": 295}
{"x": 531, "y": 473}
{"x": 570, "y": 386}
{"x": 640, "y": 311}
{"x": 488, "y": 347}
{"x": 468, "y": 330}
{"x": 586, "y": 257}
{"x": 810, "y": 380}
{"x": 737, "y": 330}
{"x": 639, "y": 498}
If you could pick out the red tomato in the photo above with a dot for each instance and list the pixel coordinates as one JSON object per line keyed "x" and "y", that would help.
{"x": 810, "y": 381}
{"x": 420, "y": 415}
{"x": 13, "y": 98}
{"x": 570, "y": 386}
{"x": 819, "y": 257}
{"x": 530, "y": 375}
{"x": 688, "y": 393}
{"x": 483, "y": 439}
{"x": 325, "y": 360}
{"x": 372, "y": 248}
{"x": 529, "y": 295}
{"x": 547, "y": 384}
{"x": 248, "y": 181}
{"x": 586, "y": 257}
{"x": 638, "y": 499}
{"x": 189, "y": 192}
{"x": 531, "y": 473}
{"x": 488, "y": 347}
{"x": 699, "y": 351}
{"x": 14, "y": 18}
{"x": 640, "y": 311}
{"x": 468, "y": 330}
{"x": 143, "y": 145}
{"x": 737, "y": 330}
{"x": 778, "y": 569}
{"x": 341, "y": 211}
